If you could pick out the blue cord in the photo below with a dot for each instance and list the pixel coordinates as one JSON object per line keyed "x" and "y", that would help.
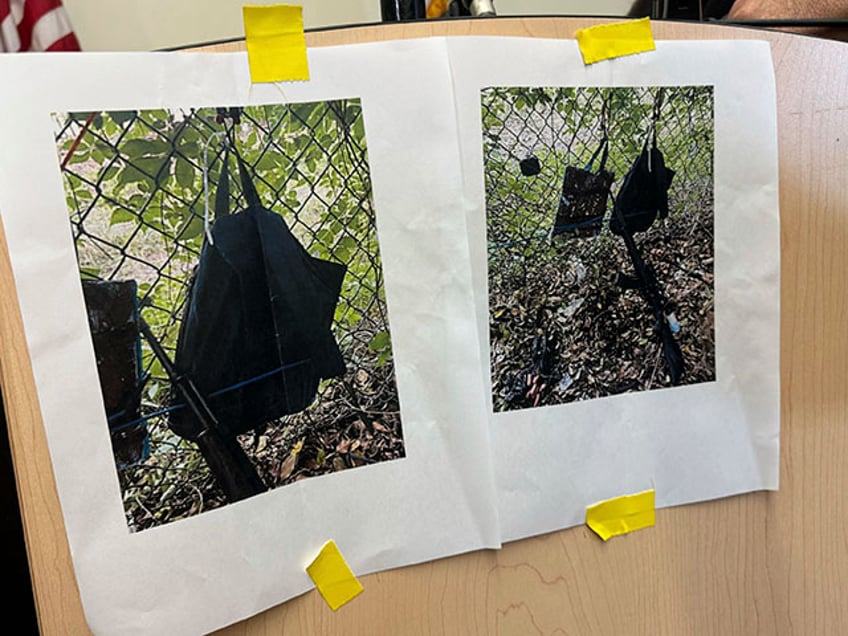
{"x": 176, "y": 407}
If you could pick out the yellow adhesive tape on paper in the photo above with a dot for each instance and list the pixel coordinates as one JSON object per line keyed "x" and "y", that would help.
{"x": 276, "y": 43}
{"x": 606, "y": 41}
{"x": 621, "y": 515}
{"x": 332, "y": 576}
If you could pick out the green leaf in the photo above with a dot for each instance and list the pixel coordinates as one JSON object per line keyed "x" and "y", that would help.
{"x": 301, "y": 113}
{"x": 137, "y": 201}
{"x": 358, "y": 129}
{"x": 380, "y": 342}
{"x": 383, "y": 358}
{"x": 324, "y": 236}
{"x": 120, "y": 215}
{"x": 318, "y": 112}
{"x": 156, "y": 167}
{"x": 349, "y": 316}
{"x": 100, "y": 151}
{"x": 271, "y": 160}
{"x": 190, "y": 148}
{"x": 80, "y": 116}
{"x": 121, "y": 116}
{"x": 351, "y": 113}
{"x": 190, "y": 138}
{"x": 192, "y": 228}
{"x": 110, "y": 173}
{"x": 131, "y": 174}
{"x": 346, "y": 246}
{"x": 292, "y": 200}
{"x": 184, "y": 172}
{"x": 145, "y": 147}
{"x": 82, "y": 153}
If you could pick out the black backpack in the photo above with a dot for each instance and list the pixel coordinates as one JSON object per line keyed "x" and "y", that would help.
{"x": 255, "y": 337}
{"x": 644, "y": 193}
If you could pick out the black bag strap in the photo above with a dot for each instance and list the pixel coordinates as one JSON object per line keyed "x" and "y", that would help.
{"x": 247, "y": 187}
{"x": 222, "y": 194}
{"x": 604, "y": 145}
{"x": 657, "y": 106}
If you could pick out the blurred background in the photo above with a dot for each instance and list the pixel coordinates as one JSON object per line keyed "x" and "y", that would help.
{"x": 138, "y": 25}
{"x": 143, "y": 25}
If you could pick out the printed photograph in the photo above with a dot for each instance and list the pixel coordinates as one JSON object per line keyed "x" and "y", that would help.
{"x": 231, "y": 272}
{"x": 600, "y": 216}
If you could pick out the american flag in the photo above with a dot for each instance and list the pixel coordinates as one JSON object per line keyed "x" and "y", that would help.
{"x": 35, "y": 25}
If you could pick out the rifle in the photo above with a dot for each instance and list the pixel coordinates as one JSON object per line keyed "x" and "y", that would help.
{"x": 646, "y": 282}
{"x": 227, "y": 461}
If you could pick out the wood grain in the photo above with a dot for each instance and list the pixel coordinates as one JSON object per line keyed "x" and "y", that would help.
{"x": 763, "y": 563}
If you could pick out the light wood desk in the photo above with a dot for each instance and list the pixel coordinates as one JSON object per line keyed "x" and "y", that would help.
{"x": 764, "y": 563}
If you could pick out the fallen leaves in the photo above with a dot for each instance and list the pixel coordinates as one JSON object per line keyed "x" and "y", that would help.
{"x": 602, "y": 336}
{"x": 355, "y": 422}
{"x": 290, "y": 462}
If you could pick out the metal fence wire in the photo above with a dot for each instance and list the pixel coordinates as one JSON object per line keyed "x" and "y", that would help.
{"x": 140, "y": 187}
{"x": 530, "y": 136}
{"x": 563, "y": 127}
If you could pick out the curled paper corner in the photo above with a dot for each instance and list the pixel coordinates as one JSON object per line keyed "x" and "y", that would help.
{"x": 333, "y": 577}
{"x": 606, "y": 41}
{"x": 275, "y": 42}
{"x": 622, "y": 515}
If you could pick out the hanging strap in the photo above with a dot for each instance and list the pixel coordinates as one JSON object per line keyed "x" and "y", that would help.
{"x": 247, "y": 187}
{"x": 657, "y": 106}
{"x": 604, "y": 145}
{"x": 652, "y": 131}
{"x": 222, "y": 194}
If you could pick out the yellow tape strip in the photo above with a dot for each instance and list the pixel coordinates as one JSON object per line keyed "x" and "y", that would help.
{"x": 276, "y": 43}
{"x": 332, "y": 576}
{"x": 622, "y": 515}
{"x": 606, "y": 41}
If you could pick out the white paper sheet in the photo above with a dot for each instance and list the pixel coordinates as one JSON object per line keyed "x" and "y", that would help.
{"x": 207, "y": 571}
{"x": 421, "y": 103}
{"x": 690, "y": 443}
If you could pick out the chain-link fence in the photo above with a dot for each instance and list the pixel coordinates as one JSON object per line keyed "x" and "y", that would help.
{"x": 140, "y": 189}
{"x": 560, "y": 328}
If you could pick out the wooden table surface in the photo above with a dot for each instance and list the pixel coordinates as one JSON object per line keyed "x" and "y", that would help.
{"x": 763, "y": 563}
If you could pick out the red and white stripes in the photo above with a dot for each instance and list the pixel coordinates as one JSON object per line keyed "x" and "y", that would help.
{"x": 35, "y": 25}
